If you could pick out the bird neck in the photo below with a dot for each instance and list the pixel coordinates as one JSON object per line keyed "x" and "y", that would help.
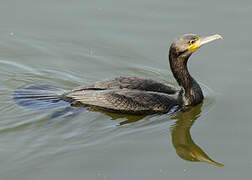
{"x": 192, "y": 93}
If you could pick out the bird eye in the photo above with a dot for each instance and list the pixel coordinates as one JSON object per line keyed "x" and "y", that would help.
{"x": 191, "y": 41}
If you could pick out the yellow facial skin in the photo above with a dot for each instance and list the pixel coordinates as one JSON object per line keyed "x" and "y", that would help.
{"x": 196, "y": 44}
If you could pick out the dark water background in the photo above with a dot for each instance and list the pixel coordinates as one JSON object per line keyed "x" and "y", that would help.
{"x": 72, "y": 43}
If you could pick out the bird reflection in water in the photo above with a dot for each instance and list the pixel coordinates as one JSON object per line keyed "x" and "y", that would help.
{"x": 182, "y": 141}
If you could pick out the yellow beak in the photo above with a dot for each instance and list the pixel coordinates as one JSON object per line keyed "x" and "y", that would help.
{"x": 201, "y": 41}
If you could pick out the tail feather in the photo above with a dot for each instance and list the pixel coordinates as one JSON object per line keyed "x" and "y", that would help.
{"x": 39, "y": 97}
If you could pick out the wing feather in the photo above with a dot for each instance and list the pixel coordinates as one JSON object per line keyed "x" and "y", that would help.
{"x": 131, "y": 83}
{"x": 133, "y": 101}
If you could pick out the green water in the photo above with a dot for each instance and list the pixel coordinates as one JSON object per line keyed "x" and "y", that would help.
{"x": 72, "y": 43}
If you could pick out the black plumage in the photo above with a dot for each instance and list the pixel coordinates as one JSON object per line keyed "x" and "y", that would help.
{"x": 134, "y": 95}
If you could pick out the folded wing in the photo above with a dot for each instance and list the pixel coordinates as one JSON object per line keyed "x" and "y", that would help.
{"x": 128, "y": 101}
{"x": 132, "y": 83}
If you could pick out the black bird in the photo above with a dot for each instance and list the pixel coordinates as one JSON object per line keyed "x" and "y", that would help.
{"x": 129, "y": 95}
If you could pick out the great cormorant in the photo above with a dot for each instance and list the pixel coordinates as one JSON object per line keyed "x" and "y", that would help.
{"x": 129, "y": 95}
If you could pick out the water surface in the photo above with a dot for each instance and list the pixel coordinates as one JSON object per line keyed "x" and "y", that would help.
{"x": 72, "y": 43}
